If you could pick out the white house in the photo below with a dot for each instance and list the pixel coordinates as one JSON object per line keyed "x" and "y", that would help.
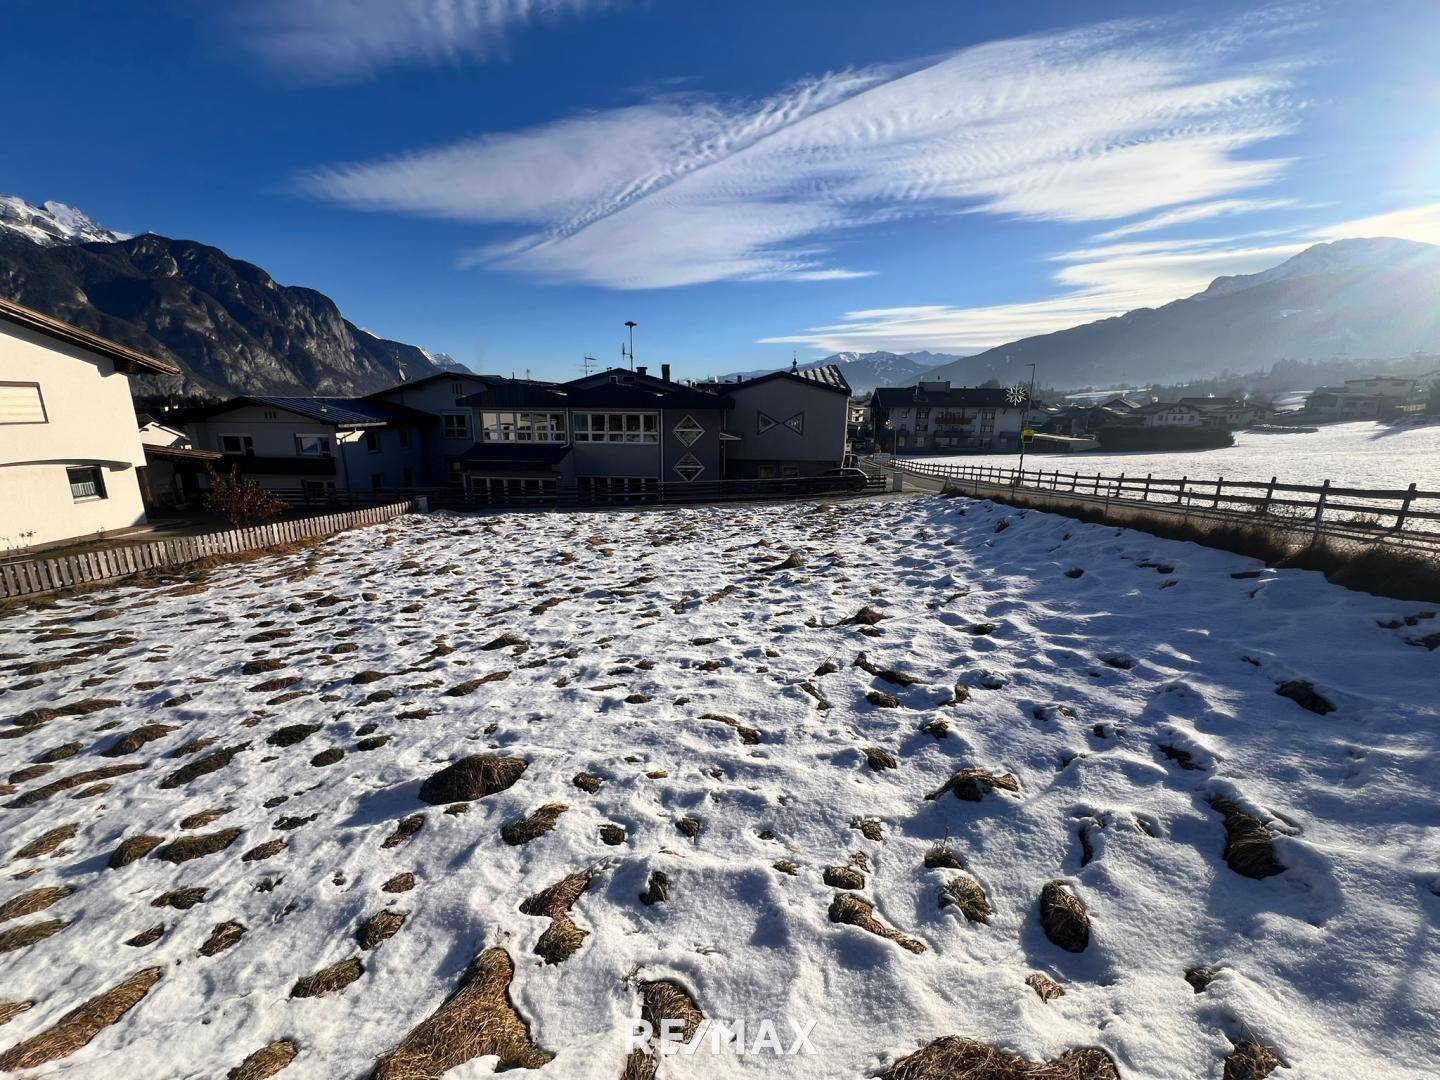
{"x": 69, "y": 447}
{"x": 1171, "y": 414}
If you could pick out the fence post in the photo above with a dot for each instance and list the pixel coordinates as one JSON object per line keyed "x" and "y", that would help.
{"x": 1404, "y": 508}
{"x": 1320, "y": 509}
{"x": 1219, "y": 484}
{"x": 1146, "y": 496}
{"x": 1182, "y": 497}
{"x": 1270, "y": 494}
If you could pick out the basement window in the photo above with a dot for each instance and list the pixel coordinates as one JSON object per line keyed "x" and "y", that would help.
{"x": 86, "y": 482}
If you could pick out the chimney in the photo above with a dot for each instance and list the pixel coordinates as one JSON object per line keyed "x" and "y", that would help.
{"x": 665, "y": 372}
{"x": 640, "y": 370}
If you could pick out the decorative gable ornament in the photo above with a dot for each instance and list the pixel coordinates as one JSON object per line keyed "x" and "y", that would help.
{"x": 688, "y": 430}
{"x": 764, "y": 422}
{"x": 1016, "y": 395}
{"x": 796, "y": 423}
{"x": 688, "y": 467}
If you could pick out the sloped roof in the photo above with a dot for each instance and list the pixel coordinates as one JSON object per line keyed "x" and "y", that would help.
{"x": 125, "y": 358}
{"x": 335, "y": 412}
{"x": 985, "y": 397}
{"x": 828, "y": 376}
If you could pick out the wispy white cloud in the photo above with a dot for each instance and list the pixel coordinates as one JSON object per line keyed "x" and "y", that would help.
{"x": 1196, "y": 212}
{"x": 1094, "y": 125}
{"x": 1414, "y": 223}
{"x": 346, "y": 39}
{"x": 1096, "y": 283}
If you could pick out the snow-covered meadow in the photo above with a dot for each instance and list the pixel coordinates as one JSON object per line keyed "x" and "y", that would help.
{"x": 692, "y": 694}
{"x": 1363, "y": 454}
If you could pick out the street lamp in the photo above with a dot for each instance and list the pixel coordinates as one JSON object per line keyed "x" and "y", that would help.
{"x": 632, "y": 324}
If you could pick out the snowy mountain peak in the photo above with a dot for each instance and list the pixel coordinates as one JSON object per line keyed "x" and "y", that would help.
{"x": 53, "y": 223}
{"x": 1335, "y": 257}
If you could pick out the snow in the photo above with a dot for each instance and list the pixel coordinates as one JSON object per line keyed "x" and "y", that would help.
{"x": 52, "y": 223}
{"x": 1363, "y": 454}
{"x": 1333, "y": 962}
{"x": 1335, "y": 257}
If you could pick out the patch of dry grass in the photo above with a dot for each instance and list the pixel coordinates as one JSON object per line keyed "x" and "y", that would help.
{"x": 478, "y": 1019}
{"x": 380, "y": 927}
{"x": 132, "y": 848}
{"x": 74, "y": 780}
{"x": 47, "y": 842}
{"x": 186, "y": 848}
{"x": 661, "y": 1000}
{"x": 265, "y": 1062}
{"x": 471, "y": 777}
{"x": 966, "y": 894}
{"x": 1063, "y": 917}
{"x": 27, "y": 934}
{"x": 971, "y": 784}
{"x": 956, "y": 1058}
{"x": 1249, "y": 842}
{"x": 328, "y": 980}
{"x": 562, "y": 938}
{"x": 533, "y": 825}
{"x": 27, "y": 903}
{"x": 1251, "y": 1061}
{"x": 79, "y": 1026}
{"x": 857, "y": 911}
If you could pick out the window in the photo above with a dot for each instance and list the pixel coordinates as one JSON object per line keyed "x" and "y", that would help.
{"x": 522, "y": 427}
{"x": 317, "y": 489}
{"x": 409, "y": 477}
{"x": 688, "y": 430}
{"x": 237, "y": 444}
{"x": 86, "y": 482}
{"x": 377, "y": 481}
{"x": 789, "y": 472}
{"x": 922, "y": 414}
{"x": 688, "y": 467}
{"x": 21, "y": 403}
{"x": 403, "y": 435}
{"x": 372, "y": 442}
{"x": 617, "y": 427}
{"x": 312, "y": 445}
{"x": 455, "y": 425}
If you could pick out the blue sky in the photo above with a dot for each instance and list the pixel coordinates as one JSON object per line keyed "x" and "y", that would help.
{"x": 509, "y": 181}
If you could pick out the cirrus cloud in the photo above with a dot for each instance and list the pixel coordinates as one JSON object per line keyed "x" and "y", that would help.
{"x": 1093, "y": 125}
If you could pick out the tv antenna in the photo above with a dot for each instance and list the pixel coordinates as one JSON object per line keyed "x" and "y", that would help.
{"x": 586, "y": 361}
{"x": 630, "y": 324}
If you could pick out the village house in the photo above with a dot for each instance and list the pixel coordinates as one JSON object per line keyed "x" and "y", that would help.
{"x": 934, "y": 416}
{"x": 1170, "y": 414}
{"x": 786, "y": 423}
{"x": 70, "y": 451}
{"x": 316, "y": 447}
{"x": 613, "y": 433}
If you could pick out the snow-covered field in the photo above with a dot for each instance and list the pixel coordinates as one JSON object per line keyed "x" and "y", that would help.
{"x": 1365, "y": 454}
{"x": 1126, "y": 683}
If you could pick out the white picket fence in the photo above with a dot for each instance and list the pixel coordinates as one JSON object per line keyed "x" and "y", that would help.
{"x": 42, "y": 574}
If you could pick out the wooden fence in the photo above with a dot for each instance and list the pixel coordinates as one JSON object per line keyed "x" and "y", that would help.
{"x": 42, "y": 574}
{"x": 1405, "y": 515}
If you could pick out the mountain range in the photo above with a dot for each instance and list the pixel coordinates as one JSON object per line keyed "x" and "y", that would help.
{"x": 1362, "y": 298}
{"x": 232, "y": 329}
{"x": 866, "y": 371}
{"x": 227, "y": 324}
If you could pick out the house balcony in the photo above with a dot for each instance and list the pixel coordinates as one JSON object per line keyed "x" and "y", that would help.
{"x": 292, "y": 465}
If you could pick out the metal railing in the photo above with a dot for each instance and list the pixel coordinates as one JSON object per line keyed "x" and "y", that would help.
{"x": 1405, "y": 514}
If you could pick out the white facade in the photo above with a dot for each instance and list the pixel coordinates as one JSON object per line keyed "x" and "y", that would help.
{"x": 69, "y": 446}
